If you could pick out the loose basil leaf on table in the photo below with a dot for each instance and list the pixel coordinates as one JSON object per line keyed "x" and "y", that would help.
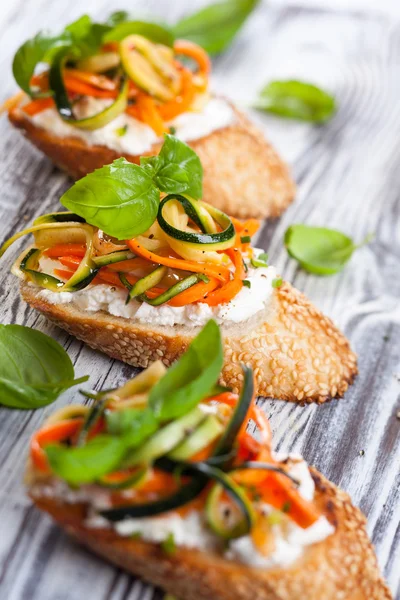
{"x": 177, "y": 169}
{"x": 215, "y": 26}
{"x": 297, "y": 100}
{"x": 120, "y": 198}
{"x": 34, "y": 369}
{"x": 160, "y": 34}
{"x": 85, "y": 464}
{"x": 191, "y": 378}
{"x": 320, "y": 250}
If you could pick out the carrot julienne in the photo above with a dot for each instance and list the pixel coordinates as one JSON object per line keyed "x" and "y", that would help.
{"x": 195, "y": 52}
{"x": 218, "y": 272}
{"x": 36, "y": 106}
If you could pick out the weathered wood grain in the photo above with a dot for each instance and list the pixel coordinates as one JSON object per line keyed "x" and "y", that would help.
{"x": 349, "y": 177}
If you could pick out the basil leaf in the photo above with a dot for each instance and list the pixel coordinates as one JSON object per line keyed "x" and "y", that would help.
{"x": 152, "y": 31}
{"x": 34, "y": 369}
{"x": 85, "y": 464}
{"x": 297, "y": 100}
{"x": 177, "y": 169}
{"x": 191, "y": 378}
{"x": 30, "y": 54}
{"x": 135, "y": 425}
{"x": 86, "y": 36}
{"x": 319, "y": 250}
{"x": 80, "y": 38}
{"x": 120, "y": 198}
{"x": 215, "y": 26}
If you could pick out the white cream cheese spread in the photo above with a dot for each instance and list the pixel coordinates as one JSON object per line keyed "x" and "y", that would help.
{"x": 248, "y": 302}
{"x": 138, "y": 137}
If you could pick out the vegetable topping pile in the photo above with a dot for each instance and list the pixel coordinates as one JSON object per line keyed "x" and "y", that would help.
{"x": 142, "y": 228}
{"x": 175, "y": 441}
{"x": 140, "y": 68}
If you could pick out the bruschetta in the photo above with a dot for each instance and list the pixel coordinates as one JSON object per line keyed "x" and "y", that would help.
{"x": 145, "y": 297}
{"x": 84, "y": 113}
{"x": 161, "y": 478}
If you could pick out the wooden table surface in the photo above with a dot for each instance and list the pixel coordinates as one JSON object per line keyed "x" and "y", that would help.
{"x": 348, "y": 175}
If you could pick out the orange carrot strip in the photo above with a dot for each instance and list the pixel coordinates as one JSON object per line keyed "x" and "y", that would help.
{"x": 149, "y": 113}
{"x": 63, "y": 273}
{"x": 76, "y": 86}
{"x": 250, "y": 227}
{"x": 99, "y": 81}
{"x": 227, "y": 292}
{"x": 55, "y": 432}
{"x": 194, "y": 294}
{"x": 36, "y": 106}
{"x": 278, "y": 491}
{"x": 187, "y": 48}
{"x": 173, "y": 108}
{"x": 219, "y": 272}
{"x": 66, "y": 250}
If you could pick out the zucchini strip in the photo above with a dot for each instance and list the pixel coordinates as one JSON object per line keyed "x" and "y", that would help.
{"x": 37, "y": 227}
{"x": 174, "y": 290}
{"x": 184, "y": 495}
{"x": 29, "y": 264}
{"x": 87, "y": 269}
{"x": 227, "y": 441}
{"x": 201, "y": 473}
{"x": 65, "y": 109}
{"x": 144, "y": 284}
{"x": 112, "y": 258}
{"x": 215, "y": 515}
{"x": 220, "y": 240}
{"x": 200, "y": 438}
{"x": 92, "y": 417}
{"x": 165, "y": 439}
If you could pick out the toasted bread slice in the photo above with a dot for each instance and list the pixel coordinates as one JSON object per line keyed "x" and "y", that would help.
{"x": 296, "y": 352}
{"x": 343, "y": 566}
{"x": 243, "y": 174}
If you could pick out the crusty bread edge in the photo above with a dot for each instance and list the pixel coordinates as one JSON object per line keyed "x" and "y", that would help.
{"x": 139, "y": 345}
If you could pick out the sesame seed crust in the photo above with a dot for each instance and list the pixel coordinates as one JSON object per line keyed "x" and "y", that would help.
{"x": 243, "y": 174}
{"x": 342, "y": 567}
{"x": 297, "y": 353}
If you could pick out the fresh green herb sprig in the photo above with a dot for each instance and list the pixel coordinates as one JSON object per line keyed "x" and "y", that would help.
{"x": 121, "y": 131}
{"x": 169, "y": 545}
{"x": 297, "y": 100}
{"x": 192, "y": 378}
{"x": 260, "y": 261}
{"x": 277, "y": 282}
{"x": 320, "y": 250}
{"x": 34, "y": 369}
{"x": 122, "y": 198}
